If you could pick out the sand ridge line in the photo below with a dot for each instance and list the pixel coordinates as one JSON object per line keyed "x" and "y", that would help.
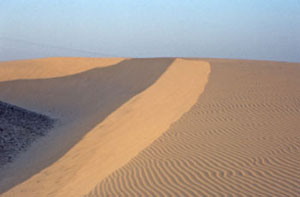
{"x": 140, "y": 121}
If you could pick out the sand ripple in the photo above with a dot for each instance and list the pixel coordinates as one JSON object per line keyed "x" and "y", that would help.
{"x": 240, "y": 139}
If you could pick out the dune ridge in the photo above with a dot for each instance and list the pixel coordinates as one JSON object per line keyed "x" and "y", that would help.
{"x": 241, "y": 138}
{"x": 122, "y": 134}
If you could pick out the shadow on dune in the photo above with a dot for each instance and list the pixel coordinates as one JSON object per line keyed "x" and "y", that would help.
{"x": 82, "y": 100}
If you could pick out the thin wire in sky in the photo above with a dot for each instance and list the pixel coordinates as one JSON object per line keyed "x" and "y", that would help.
{"x": 43, "y": 45}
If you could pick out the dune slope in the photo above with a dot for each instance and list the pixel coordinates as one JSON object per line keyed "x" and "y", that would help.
{"x": 241, "y": 138}
{"x": 107, "y": 117}
{"x": 78, "y": 102}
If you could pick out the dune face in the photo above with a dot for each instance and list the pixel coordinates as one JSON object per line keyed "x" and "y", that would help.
{"x": 241, "y": 138}
{"x": 78, "y": 102}
{"x": 100, "y": 105}
{"x": 76, "y": 95}
{"x": 157, "y": 127}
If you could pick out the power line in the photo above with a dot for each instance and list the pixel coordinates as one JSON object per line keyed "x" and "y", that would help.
{"x": 43, "y": 45}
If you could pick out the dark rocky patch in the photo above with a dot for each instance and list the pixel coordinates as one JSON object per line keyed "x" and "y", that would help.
{"x": 18, "y": 129}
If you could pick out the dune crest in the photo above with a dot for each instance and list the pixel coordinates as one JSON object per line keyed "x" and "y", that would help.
{"x": 122, "y": 135}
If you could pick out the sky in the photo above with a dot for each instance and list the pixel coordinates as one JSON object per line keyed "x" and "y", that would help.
{"x": 239, "y": 29}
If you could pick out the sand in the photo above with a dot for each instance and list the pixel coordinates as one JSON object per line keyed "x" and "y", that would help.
{"x": 240, "y": 139}
{"x": 160, "y": 127}
{"x": 51, "y": 67}
{"x": 129, "y": 121}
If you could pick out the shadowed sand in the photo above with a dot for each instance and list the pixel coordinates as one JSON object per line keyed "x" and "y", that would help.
{"x": 241, "y": 138}
{"x": 81, "y": 102}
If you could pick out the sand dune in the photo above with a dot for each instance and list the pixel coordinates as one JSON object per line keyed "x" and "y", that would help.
{"x": 240, "y": 139}
{"x": 157, "y": 127}
{"x": 98, "y": 96}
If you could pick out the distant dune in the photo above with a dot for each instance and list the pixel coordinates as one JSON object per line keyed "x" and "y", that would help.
{"x": 51, "y": 67}
{"x": 156, "y": 127}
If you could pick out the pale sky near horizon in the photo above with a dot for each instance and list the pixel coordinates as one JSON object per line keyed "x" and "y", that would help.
{"x": 240, "y": 29}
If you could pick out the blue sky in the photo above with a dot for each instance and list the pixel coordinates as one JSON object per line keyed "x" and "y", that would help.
{"x": 244, "y": 29}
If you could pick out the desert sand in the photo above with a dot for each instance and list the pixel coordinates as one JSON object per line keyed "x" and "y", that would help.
{"x": 156, "y": 127}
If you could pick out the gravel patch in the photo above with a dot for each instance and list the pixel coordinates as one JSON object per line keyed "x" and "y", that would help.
{"x": 19, "y": 128}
